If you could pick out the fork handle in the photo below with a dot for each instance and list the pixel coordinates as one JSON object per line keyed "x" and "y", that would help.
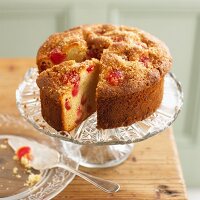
{"x": 105, "y": 185}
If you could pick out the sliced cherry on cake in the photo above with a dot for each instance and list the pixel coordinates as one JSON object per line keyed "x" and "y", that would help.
{"x": 90, "y": 68}
{"x": 67, "y": 104}
{"x": 75, "y": 90}
{"x": 57, "y": 56}
{"x": 114, "y": 77}
{"x": 72, "y": 77}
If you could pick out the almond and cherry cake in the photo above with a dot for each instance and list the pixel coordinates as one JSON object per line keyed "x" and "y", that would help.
{"x": 117, "y": 71}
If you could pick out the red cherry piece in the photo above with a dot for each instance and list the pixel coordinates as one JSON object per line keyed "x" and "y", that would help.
{"x": 72, "y": 77}
{"x": 57, "y": 56}
{"x": 144, "y": 60}
{"x": 67, "y": 105}
{"x": 75, "y": 90}
{"x": 90, "y": 68}
{"x": 114, "y": 77}
{"x": 22, "y": 151}
{"x": 83, "y": 99}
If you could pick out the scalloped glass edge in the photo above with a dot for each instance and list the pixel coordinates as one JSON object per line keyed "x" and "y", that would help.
{"x": 28, "y": 103}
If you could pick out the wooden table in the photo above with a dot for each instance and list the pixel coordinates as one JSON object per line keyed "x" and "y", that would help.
{"x": 152, "y": 171}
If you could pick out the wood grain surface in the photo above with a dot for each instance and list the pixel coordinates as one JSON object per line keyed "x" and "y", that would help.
{"x": 152, "y": 172}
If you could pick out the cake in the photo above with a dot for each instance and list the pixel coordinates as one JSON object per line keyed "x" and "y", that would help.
{"x": 67, "y": 93}
{"x": 120, "y": 72}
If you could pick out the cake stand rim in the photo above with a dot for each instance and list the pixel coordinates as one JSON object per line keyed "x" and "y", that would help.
{"x": 68, "y": 139}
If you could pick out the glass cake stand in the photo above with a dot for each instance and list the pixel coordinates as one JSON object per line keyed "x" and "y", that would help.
{"x": 101, "y": 148}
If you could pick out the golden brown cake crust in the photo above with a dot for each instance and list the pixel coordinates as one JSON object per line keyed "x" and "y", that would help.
{"x": 51, "y": 110}
{"x": 125, "y": 110}
{"x": 133, "y": 64}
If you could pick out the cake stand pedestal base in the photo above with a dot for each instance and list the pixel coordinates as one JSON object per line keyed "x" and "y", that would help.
{"x": 100, "y": 156}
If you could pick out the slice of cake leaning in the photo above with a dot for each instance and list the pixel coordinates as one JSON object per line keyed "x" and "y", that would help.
{"x": 67, "y": 93}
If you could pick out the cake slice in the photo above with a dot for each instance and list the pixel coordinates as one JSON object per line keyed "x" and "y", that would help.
{"x": 67, "y": 93}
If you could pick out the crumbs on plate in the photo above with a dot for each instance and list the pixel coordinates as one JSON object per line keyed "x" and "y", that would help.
{"x": 23, "y": 154}
{"x": 32, "y": 179}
